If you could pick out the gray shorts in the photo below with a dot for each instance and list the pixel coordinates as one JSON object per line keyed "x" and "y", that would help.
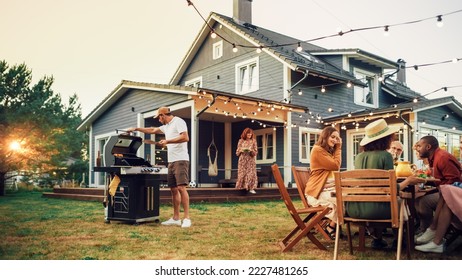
{"x": 178, "y": 173}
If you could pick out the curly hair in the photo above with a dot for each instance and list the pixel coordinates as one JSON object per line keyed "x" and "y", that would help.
{"x": 244, "y": 133}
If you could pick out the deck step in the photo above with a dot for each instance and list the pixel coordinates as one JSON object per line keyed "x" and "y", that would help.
{"x": 195, "y": 194}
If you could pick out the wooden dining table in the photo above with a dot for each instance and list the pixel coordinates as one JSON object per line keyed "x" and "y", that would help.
{"x": 411, "y": 193}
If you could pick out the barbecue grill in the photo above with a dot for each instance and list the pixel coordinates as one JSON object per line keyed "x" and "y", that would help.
{"x": 137, "y": 196}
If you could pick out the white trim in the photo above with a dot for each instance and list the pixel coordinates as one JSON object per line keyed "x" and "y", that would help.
{"x": 263, "y": 132}
{"x": 375, "y": 88}
{"x": 218, "y": 45}
{"x": 249, "y": 88}
{"x": 192, "y": 82}
{"x": 301, "y": 131}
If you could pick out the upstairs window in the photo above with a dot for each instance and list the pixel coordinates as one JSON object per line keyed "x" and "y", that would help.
{"x": 247, "y": 76}
{"x": 197, "y": 82}
{"x": 217, "y": 50}
{"x": 366, "y": 96}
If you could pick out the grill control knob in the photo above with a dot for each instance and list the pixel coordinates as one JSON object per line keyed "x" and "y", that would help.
{"x": 156, "y": 169}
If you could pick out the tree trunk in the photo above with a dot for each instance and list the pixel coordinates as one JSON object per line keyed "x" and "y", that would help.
{"x": 2, "y": 183}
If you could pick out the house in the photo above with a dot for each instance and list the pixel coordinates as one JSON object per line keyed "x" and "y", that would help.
{"x": 238, "y": 75}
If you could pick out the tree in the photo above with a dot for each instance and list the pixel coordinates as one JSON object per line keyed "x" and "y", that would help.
{"x": 37, "y": 132}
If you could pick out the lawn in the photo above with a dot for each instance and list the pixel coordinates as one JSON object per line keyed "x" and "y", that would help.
{"x": 37, "y": 228}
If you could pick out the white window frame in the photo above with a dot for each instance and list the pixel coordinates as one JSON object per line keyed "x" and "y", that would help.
{"x": 217, "y": 50}
{"x": 360, "y": 92}
{"x": 247, "y": 76}
{"x": 196, "y": 82}
{"x": 306, "y": 133}
{"x": 353, "y": 150}
{"x": 262, "y": 151}
{"x": 99, "y": 176}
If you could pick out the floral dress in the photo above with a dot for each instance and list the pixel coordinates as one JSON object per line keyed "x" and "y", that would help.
{"x": 247, "y": 166}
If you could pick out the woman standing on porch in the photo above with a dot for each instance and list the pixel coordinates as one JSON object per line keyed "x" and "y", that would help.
{"x": 247, "y": 166}
{"x": 326, "y": 157}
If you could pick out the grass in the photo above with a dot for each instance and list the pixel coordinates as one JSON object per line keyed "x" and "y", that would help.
{"x": 36, "y": 228}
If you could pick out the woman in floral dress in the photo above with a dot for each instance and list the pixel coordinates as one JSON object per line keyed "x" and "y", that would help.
{"x": 247, "y": 166}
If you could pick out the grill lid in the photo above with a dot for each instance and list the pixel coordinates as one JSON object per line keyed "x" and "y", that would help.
{"x": 120, "y": 150}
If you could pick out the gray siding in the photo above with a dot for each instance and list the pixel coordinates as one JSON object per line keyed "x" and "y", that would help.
{"x": 220, "y": 74}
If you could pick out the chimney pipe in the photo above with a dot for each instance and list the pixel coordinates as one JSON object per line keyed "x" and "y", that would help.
{"x": 401, "y": 75}
{"x": 242, "y": 11}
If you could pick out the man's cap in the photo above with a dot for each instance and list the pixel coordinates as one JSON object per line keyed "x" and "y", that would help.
{"x": 162, "y": 111}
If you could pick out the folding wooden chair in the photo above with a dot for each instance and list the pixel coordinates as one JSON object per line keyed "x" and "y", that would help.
{"x": 369, "y": 185}
{"x": 304, "y": 226}
{"x": 301, "y": 176}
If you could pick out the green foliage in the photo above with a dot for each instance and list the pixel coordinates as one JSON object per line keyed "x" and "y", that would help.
{"x": 34, "y": 117}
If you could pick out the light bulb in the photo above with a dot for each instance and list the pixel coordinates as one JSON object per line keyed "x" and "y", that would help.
{"x": 234, "y": 48}
{"x": 323, "y": 89}
{"x": 299, "y": 47}
{"x": 386, "y": 33}
{"x": 213, "y": 35}
{"x": 439, "y": 21}
{"x": 300, "y": 92}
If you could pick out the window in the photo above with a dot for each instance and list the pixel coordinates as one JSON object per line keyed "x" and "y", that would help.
{"x": 247, "y": 76}
{"x": 367, "y": 96}
{"x": 307, "y": 139}
{"x": 99, "y": 152}
{"x": 266, "y": 145}
{"x": 353, "y": 148}
{"x": 196, "y": 82}
{"x": 217, "y": 50}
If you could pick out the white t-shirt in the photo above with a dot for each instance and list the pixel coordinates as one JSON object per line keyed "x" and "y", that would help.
{"x": 175, "y": 151}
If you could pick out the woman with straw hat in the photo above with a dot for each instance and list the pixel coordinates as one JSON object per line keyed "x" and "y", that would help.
{"x": 375, "y": 156}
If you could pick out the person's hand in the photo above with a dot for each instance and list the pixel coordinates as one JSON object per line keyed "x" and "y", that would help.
{"x": 339, "y": 142}
{"x": 147, "y": 141}
{"x": 131, "y": 129}
{"x": 163, "y": 142}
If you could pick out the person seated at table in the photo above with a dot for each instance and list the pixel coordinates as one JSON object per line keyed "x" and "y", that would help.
{"x": 448, "y": 211}
{"x": 396, "y": 150}
{"x": 445, "y": 167}
{"x": 326, "y": 157}
{"x": 375, "y": 156}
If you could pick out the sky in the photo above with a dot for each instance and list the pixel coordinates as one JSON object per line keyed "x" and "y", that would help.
{"x": 90, "y": 46}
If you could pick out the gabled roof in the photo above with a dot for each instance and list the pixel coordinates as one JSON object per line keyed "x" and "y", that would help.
{"x": 360, "y": 55}
{"x": 401, "y": 108}
{"x": 274, "y": 44}
{"x": 121, "y": 89}
{"x": 125, "y": 86}
{"x": 400, "y": 90}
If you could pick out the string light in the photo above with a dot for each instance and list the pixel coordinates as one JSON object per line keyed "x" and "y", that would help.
{"x": 300, "y": 92}
{"x": 340, "y": 33}
{"x": 323, "y": 89}
{"x": 386, "y": 31}
{"x": 439, "y": 21}
{"x": 234, "y": 48}
{"x": 299, "y": 47}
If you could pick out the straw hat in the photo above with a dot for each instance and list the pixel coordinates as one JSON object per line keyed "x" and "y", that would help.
{"x": 377, "y": 130}
{"x": 162, "y": 111}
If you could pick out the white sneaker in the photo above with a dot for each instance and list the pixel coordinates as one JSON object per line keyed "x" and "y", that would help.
{"x": 426, "y": 237}
{"x": 252, "y": 192}
{"x": 431, "y": 247}
{"x": 186, "y": 223}
{"x": 172, "y": 222}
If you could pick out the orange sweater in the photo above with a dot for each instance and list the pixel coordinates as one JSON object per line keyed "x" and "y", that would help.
{"x": 322, "y": 163}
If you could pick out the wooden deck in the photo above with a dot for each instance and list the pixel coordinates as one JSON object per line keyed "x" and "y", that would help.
{"x": 195, "y": 194}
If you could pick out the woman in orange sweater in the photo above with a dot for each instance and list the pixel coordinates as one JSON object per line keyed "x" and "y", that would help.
{"x": 326, "y": 157}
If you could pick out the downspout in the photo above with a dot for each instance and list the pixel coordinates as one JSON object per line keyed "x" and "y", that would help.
{"x": 305, "y": 75}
